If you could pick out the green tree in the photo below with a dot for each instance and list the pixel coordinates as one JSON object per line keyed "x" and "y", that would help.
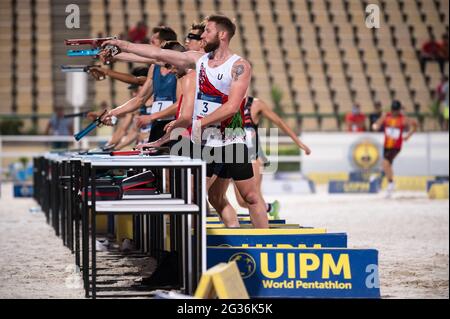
{"x": 277, "y": 95}
{"x": 11, "y": 126}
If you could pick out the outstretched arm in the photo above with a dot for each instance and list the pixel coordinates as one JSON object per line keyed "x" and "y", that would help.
{"x": 124, "y": 77}
{"x": 182, "y": 60}
{"x": 134, "y": 103}
{"x": 131, "y": 57}
{"x": 274, "y": 118}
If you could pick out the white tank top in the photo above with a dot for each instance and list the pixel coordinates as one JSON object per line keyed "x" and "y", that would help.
{"x": 213, "y": 87}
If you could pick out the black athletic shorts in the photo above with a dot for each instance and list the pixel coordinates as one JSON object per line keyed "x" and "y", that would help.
{"x": 390, "y": 153}
{"x": 231, "y": 161}
{"x": 239, "y": 166}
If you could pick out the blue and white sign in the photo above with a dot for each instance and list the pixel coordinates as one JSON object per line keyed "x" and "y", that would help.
{"x": 303, "y": 273}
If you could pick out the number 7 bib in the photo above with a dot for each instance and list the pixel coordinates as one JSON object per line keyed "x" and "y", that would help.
{"x": 161, "y": 105}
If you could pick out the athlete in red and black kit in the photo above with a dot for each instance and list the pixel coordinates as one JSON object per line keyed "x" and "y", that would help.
{"x": 254, "y": 110}
{"x": 230, "y": 75}
{"x": 395, "y": 123}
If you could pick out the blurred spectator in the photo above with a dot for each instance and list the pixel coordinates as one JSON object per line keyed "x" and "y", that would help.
{"x": 59, "y": 126}
{"x": 435, "y": 108}
{"x": 440, "y": 94}
{"x": 444, "y": 104}
{"x": 375, "y": 115}
{"x": 439, "y": 106}
{"x": 138, "y": 33}
{"x": 444, "y": 47}
{"x": 355, "y": 120}
{"x": 433, "y": 50}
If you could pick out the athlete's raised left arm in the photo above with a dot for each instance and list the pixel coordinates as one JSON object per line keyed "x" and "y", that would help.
{"x": 241, "y": 73}
{"x": 274, "y": 118}
{"x": 412, "y": 124}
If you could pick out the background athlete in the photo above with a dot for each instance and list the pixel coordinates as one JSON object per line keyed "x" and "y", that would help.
{"x": 254, "y": 110}
{"x": 395, "y": 123}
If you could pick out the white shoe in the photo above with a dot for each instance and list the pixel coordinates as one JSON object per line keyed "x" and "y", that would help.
{"x": 101, "y": 246}
{"x": 390, "y": 190}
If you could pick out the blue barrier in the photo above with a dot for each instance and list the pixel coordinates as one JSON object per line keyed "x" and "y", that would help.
{"x": 23, "y": 190}
{"x": 437, "y": 181}
{"x": 272, "y": 221}
{"x": 359, "y": 176}
{"x": 303, "y": 273}
{"x": 345, "y": 187}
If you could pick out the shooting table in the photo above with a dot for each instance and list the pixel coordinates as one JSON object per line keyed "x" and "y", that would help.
{"x": 59, "y": 179}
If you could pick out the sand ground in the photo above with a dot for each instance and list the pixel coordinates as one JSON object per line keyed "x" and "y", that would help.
{"x": 33, "y": 262}
{"x": 410, "y": 232}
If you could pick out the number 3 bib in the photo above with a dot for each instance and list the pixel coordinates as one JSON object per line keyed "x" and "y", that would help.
{"x": 207, "y": 104}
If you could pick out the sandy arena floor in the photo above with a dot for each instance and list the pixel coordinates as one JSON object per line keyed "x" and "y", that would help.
{"x": 410, "y": 232}
{"x": 33, "y": 261}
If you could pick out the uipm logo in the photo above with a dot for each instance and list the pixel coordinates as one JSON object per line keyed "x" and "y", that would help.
{"x": 373, "y": 16}
{"x": 246, "y": 264}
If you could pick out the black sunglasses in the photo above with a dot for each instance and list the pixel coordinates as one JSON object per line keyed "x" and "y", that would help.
{"x": 193, "y": 36}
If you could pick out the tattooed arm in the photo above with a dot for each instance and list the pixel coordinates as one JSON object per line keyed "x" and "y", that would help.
{"x": 237, "y": 71}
